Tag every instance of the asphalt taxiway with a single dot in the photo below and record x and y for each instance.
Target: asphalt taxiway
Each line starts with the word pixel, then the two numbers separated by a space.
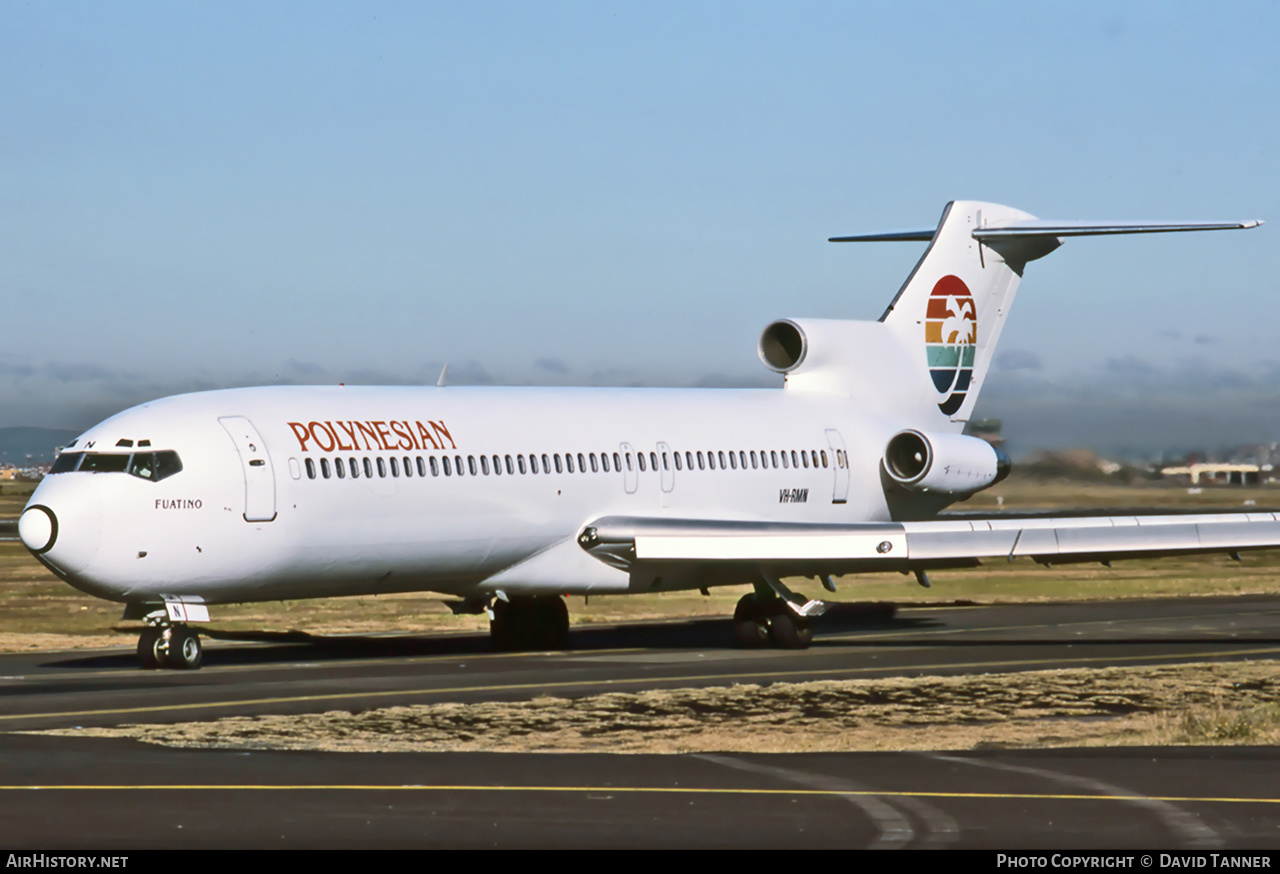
pixel 100 793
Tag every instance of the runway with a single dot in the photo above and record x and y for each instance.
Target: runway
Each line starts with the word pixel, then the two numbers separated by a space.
pixel 123 794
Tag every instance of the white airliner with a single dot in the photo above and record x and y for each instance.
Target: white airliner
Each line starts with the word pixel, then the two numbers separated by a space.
pixel 508 498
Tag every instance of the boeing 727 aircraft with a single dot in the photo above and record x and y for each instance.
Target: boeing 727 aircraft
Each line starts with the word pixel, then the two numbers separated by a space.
pixel 506 499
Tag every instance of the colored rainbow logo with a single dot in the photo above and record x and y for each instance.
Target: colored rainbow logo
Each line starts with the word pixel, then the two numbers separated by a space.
pixel 950 332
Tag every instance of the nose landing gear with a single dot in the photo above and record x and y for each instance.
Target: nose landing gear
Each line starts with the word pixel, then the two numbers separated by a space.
pixel 166 642
pixel 172 646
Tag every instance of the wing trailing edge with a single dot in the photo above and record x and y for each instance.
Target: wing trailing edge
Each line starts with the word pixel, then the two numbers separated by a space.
pixel 794 548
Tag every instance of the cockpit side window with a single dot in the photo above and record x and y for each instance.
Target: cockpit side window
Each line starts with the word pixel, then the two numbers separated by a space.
pixel 167 464
pixel 67 461
pixel 143 465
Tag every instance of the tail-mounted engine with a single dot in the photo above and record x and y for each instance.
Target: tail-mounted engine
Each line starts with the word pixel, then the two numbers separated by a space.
pixel 949 463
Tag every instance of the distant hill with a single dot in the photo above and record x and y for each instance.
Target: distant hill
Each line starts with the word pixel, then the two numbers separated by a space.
pixel 41 444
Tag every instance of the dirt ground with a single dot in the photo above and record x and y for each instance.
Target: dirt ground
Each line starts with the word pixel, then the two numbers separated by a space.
pixel 1235 703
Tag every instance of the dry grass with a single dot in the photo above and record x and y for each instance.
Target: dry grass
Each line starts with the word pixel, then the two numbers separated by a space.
pixel 1235 703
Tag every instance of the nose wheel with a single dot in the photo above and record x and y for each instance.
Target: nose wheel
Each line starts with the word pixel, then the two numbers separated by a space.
pixel 175 647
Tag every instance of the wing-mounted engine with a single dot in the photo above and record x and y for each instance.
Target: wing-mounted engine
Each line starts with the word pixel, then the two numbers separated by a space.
pixel 951 464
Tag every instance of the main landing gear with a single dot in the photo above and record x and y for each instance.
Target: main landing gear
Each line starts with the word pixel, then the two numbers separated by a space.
pixel 760 620
pixel 524 622
pixel 170 646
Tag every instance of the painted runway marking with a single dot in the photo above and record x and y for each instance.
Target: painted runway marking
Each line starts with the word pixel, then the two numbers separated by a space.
pixel 632 790
pixel 799 672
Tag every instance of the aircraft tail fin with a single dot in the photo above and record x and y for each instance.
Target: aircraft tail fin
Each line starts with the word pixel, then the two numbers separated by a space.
pixel 953 306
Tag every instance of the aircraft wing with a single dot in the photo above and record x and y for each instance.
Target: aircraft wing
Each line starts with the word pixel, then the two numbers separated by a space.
pixel 637 544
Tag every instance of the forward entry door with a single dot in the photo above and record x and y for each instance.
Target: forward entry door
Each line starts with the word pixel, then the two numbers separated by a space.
pixel 259 478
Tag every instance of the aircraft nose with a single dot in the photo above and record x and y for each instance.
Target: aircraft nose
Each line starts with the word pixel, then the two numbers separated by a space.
pixel 63 529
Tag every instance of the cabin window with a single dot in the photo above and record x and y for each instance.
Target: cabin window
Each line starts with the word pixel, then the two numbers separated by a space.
pixel 653 460
pixel 497 466
pixel 568 462
pixel 617 462
pixel 604 461
pixel 786 465
pixel 823 453
pixel 753 460
pixel 733 461
pixel 408 466
pixel 310 466
pixel 666 462
pixel 639 460
pixel 711 460
pixel 435 469
pixel 595 466
pixel 395 466
pixel 559 468
pixel 448 468
pixel 484 465
pixel 701 464
pixel 510 469
pixel 520 462
pixel 630 466
pixel 582 463
pixel 338 467
pixel 533 463
pixel 688 459
pixel 677 455
pixel 804 456
pixel 546 463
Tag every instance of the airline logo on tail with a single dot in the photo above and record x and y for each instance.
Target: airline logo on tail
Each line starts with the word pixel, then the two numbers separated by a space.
pixel 950 335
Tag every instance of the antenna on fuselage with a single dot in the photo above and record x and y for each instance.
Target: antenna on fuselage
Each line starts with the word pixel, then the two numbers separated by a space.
pixel 444 372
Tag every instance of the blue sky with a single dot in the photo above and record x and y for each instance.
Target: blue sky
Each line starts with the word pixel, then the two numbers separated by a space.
pixel 212 194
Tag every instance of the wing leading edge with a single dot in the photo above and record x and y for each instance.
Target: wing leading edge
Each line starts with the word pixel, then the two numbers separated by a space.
pixel 631 543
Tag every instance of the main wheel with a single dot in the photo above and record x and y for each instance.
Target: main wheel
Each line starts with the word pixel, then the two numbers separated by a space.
pixel 552 622
pixel 150 652
pixel 185 651
pixel 749 628
pixel 790 631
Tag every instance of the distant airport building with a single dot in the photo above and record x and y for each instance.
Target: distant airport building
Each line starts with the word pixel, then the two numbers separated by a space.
pixel 1216 473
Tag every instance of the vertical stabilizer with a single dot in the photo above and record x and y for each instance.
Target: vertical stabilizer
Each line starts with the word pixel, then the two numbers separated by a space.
pixel 953 305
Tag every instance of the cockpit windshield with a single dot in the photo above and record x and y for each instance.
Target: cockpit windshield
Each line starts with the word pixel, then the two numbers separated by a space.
pixel 153 466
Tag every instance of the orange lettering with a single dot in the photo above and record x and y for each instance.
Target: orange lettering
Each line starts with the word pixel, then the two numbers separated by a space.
pixel 323 430
pixel 346 426
pixel 406 441
pixel 367 432
pixel 439 428
pixel 300 431
pixel 337 439
pixel 381 428
pixel 426 437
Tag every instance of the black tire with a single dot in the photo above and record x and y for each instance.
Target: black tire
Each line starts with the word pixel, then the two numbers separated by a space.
pixel 185 651
pixel 750 633
pixel 552 622
pixel 749 607
pixel 789 631
pixel 150 656
pixel 507 628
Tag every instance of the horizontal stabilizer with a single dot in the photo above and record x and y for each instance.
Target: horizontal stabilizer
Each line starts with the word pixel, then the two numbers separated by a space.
pixel 1029 228
pixel 923 235
pixel 1050 228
